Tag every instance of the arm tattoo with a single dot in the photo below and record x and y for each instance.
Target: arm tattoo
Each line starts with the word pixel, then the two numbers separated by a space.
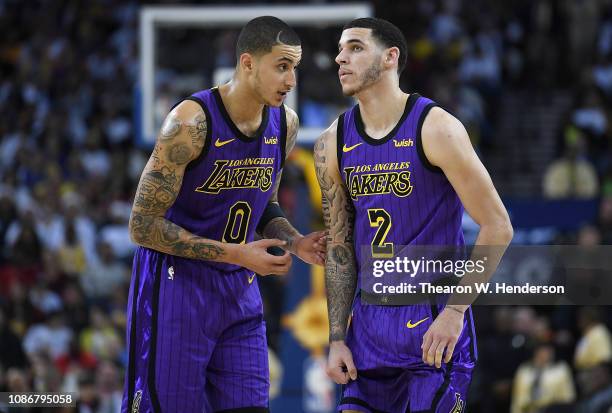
pixel 162 235
pixel 340 283
pixel 159 186
pixel 340 269
pixel 280 227
pixel 334 194
pixel 179 154
pixel 156 190
pixel 198 131
pixel 171 127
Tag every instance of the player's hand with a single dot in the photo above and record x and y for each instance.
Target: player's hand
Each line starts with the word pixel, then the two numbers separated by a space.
pixel 255 257
pixel 340 366
pixel 442 335
pixel 311 248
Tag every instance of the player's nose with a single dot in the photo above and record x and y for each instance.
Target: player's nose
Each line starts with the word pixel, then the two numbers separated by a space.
pixel 291 79
pixel 341 58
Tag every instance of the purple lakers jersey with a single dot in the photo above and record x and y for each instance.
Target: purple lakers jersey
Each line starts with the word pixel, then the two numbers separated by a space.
pixel 226 190
pixel 399 197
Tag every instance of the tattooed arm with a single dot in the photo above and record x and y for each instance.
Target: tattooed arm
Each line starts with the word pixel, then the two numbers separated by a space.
pixel 338 214
pixel 180 141
pixel 310 248
pixel 340 270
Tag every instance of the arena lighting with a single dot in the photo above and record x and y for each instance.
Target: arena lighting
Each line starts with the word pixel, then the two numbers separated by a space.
pixel 153 17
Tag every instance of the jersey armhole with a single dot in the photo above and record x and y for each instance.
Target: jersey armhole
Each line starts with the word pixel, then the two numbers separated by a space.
pixel 283 135
pixel 419 140
pixel 340 141
pixel 209 127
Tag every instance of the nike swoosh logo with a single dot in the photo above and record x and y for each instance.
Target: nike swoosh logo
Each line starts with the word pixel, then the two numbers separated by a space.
pixel 251 278
pixel 350 148
pixel 410 325
pixel 219 143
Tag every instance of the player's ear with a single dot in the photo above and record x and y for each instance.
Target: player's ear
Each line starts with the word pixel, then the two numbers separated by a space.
pixel 246 62
pixel 391 57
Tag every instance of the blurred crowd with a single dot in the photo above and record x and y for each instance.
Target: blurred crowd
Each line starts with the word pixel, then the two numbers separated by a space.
pixel 69 165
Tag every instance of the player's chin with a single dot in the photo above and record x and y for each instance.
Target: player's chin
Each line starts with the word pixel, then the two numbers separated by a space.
pixel 277 99
pixel 348 90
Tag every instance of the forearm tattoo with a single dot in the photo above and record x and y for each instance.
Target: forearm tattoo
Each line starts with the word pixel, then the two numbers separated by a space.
pixel 340 269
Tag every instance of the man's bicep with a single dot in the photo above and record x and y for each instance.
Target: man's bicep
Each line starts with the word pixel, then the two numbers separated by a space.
pixel 180 140
pixel 448 146
pixel 475 188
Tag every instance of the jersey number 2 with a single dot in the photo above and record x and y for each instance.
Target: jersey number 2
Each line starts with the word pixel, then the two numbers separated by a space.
pixel 237 223
pixel 379 218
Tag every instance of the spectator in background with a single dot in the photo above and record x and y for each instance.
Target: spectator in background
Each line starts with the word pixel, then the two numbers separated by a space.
pixel 571 176
pixel 11 353
pixel 88 396
pixel 75 210
pixel 497 372
pixel 45 300
pixel 94 159
pixel 582 26
pixel 71 254
pixel 25 247
pixel 8 213
pixel 104 274
pixel 116 232
pixel 595 345
pixel 76 306
pixel 596 388
pixel 73 365
pixel 480 67
pixel 52 337
pixel 100 338
pixel 51 277
pixel 109 385
pixel 45 375
pixel 541 382
pixel 590 115
pixel 19 309
pixel 17 380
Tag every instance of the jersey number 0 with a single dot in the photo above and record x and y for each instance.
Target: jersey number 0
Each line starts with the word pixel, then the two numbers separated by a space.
pixel 237 223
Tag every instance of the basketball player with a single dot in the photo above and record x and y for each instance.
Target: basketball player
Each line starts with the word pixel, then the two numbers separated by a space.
pixel 196 333
pixel 391 358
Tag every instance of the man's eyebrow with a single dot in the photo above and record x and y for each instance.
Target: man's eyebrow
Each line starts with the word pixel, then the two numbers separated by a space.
pixel 351 41
pixel 286 59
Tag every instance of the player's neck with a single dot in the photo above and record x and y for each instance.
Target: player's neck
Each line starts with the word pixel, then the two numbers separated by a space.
pixel 241 104
pixel 381 108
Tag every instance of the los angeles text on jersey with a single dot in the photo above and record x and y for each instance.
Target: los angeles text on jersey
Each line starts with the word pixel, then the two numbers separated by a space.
pixel 377 179
pixel 239 173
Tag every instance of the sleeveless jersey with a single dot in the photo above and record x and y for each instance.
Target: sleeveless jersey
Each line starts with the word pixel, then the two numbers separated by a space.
pixel 399 197
pixel 226 190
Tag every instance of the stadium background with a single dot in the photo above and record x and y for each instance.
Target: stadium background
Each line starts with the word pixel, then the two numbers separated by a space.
pixel 531 80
